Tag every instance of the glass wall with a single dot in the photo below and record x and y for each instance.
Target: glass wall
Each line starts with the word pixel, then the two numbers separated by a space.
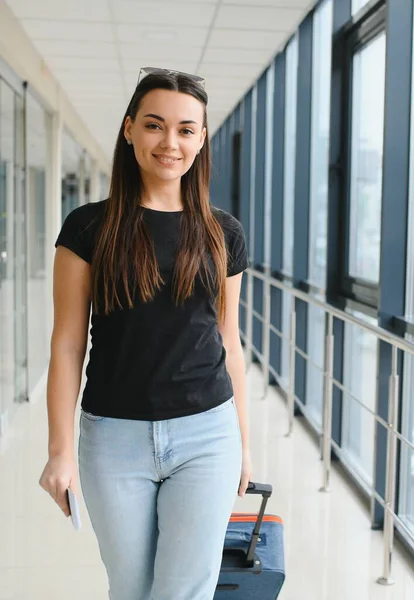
pixel 360 378
pixel 321 97
pixel 38 131
pixel 289 191
pixel 356 224
pixel 7 159
pixel 290 154
pixel 86 175
pixel 25 181
pixel 406 505
pixel 13 301
pixel 368 95
pixel 357 5
pixel 73 179
pixel 103 186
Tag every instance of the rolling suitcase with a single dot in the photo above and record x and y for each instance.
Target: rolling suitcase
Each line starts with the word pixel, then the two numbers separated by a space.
pixel 253 566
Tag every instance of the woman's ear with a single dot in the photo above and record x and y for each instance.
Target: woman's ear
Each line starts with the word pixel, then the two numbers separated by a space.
pixel 203 137
pixel 127 128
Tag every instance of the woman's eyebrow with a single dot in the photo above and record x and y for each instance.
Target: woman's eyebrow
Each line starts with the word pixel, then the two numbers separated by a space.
pixel 186 122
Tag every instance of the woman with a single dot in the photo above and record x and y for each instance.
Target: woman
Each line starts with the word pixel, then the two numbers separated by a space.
pixel 164 444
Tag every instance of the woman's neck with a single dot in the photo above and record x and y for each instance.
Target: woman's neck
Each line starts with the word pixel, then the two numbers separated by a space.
pixel 164 196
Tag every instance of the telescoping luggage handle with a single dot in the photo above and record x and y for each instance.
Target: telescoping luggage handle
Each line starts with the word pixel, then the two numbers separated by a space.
pixel 265 491
pixel 249 559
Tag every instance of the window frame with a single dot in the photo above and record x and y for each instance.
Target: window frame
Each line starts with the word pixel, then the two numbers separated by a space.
pixel 354 37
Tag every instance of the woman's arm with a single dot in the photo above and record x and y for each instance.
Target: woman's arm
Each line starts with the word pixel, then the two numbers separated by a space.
pixel 72 300
pixel 236 368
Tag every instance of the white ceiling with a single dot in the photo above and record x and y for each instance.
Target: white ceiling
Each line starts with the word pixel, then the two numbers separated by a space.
pixel 95 48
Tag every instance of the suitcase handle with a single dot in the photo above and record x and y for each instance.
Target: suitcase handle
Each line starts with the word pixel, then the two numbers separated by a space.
pixel 259 488
pixel 265 491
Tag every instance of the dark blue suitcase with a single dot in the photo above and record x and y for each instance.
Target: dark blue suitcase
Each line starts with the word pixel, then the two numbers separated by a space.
pixel 253 565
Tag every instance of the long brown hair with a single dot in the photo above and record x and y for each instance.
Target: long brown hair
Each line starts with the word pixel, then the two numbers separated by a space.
pixel 124 253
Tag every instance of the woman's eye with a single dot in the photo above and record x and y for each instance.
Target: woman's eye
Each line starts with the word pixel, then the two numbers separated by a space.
pixel 187 131
pixel 152 126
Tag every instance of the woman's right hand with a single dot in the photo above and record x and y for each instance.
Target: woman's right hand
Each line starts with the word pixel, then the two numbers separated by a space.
pixel 59 474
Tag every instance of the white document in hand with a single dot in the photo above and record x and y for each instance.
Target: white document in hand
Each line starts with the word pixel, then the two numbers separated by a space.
pixel 74 510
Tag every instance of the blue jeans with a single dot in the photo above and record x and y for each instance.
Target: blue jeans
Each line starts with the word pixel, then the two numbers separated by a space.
pixel 159 495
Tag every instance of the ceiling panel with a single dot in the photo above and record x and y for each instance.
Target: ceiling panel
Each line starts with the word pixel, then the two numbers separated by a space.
pixel 92 77
pixel 238 56
pixel 131 56
pixel 302 4
pixel 68 30
pixel 164 13
pixel 139 34
pixel 228 69
pixel 61 10
pixel 116 3
pixel 249 17
pixel 242 38
pixel 82 63
pixel 86 49
pixel 225 83
pixel 161 58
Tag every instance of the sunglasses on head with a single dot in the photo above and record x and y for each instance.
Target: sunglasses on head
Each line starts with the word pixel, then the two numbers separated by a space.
pixel 144 71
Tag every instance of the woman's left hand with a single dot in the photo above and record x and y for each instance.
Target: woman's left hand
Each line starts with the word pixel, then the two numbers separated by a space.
pixel 246 473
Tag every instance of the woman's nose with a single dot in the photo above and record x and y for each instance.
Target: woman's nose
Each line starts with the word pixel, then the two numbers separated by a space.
pixel 169 140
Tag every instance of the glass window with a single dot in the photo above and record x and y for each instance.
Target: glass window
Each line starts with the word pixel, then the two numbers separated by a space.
pixel 86 173
pixel 321 100
pixel 315 366
pixel 13 297
pixel 103 185
pixel 357 5
pixel 290 153
pixel 38 131
pixel 286 314
pixel 406 507
pixel 368 91
pixel 360 381
pixel 72 168
pixel 289 191
pixel 406 504
pixel 7 241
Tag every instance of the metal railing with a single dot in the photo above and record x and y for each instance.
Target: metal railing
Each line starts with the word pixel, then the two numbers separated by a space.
pixel 391 425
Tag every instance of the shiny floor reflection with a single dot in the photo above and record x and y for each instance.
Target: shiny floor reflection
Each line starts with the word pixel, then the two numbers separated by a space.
pixel 331 552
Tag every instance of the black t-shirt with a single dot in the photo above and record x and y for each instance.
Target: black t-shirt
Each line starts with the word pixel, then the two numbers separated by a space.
pixel 156 361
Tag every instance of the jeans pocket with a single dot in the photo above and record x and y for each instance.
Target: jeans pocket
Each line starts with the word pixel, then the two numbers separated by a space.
pixel 91 417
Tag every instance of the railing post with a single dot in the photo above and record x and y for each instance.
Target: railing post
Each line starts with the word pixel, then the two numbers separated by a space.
pixel 391 470
pixel 292 365
pixel 266 330
pixel 327 404
pixel 249 319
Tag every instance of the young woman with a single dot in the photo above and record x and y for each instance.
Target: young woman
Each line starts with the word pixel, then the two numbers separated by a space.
pixel 164 443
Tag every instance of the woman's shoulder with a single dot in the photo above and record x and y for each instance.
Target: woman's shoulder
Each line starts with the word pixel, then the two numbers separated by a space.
pixel 87 214
pixel 86 219
pixel 228 221
pixel 80 228
pixel 235 240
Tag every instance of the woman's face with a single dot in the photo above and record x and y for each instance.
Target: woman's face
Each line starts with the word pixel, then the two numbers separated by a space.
pixel 167 133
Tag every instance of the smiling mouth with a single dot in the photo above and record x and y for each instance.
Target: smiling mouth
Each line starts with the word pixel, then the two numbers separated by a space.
pixel 166 159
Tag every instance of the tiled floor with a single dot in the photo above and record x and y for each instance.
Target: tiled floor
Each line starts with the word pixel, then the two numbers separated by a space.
pixel 331 552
